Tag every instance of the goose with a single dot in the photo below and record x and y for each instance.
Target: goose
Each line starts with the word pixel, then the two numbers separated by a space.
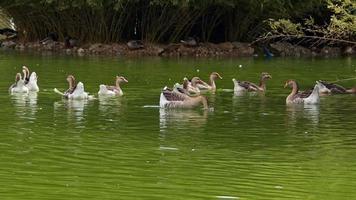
pixel 296 97
pixel 203 86
pixel 240 86
pixel 182 88
pixel 135 44
pixel 74 91
pixel 113 90
pixel 192 86
pixel 19 85
pixel 30 80
pixel 189 42
pixel 332 88
pixel 172 99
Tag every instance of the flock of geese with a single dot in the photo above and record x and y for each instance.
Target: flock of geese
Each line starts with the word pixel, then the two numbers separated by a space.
pixel 189 94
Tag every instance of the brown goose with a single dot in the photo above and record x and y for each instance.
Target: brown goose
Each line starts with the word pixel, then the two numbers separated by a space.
pixel 113 90
pixel 296 97
pixel 192 86
pixel 173 99
pixel 240 86
pixel 203 86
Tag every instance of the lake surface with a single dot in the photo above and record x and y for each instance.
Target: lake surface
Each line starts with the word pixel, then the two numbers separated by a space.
pixel 244 147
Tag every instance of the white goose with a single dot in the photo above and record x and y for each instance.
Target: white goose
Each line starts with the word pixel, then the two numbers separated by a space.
pixel 19 85
pixel 173 99
pixel 30 80
pixel 112 90
pixel 74 91
pixel 307 97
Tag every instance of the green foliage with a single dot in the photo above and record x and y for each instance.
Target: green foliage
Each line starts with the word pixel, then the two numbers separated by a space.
pixel 157 20
pixel 341 23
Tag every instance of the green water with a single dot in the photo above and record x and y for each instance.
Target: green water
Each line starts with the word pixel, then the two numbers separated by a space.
pixel 244 147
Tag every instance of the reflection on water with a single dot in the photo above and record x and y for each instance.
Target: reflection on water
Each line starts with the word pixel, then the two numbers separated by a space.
pixel 25 104
pixel 109 104
pixel 297 112
pixel 181 118
pixel 75 108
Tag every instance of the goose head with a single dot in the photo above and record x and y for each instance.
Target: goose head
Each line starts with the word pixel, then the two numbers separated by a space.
pixel 215 75
pixel 185 82
pixel 265 76
pixel 121 79
pixel 27 71
pixel 195 80
pixel 289 83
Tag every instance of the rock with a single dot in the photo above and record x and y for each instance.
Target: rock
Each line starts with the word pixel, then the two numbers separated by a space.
pixel 287 49
pixel 330 51
pixel 243 49
pixel 348 50
pixel 81 51
pixel 8 44
pixel 226 46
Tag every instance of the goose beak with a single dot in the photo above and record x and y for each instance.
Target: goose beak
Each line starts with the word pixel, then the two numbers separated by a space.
pixel 285 85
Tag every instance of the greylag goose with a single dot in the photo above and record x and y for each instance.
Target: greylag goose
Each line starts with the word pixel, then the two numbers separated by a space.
pixel 30 80
pixel 19 85
pixel 203 86
pixel 189 42
pixel 296 97
pixel 332 88
pixel 240 86
pixel 74 91
pixel 113 90
pixel 173 99
pixel 192 86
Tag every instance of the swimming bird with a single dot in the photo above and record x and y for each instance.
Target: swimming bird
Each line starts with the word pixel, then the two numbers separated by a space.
pixel 203 86
pixel 30 80
pixel 240 86
pixel 19 85
pixel 172 99
pixel 74 91
pixel 332 88
pixel 296 97
pixel 113 90
pixel 192 85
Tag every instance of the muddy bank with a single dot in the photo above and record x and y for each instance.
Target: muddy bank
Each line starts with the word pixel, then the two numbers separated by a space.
pixel 226 49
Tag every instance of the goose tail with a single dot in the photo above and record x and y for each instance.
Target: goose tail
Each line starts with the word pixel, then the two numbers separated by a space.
pixel 58 92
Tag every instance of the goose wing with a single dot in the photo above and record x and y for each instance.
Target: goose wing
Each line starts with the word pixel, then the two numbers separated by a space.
pixel 334 88
pixel 174 96
pixel 248 85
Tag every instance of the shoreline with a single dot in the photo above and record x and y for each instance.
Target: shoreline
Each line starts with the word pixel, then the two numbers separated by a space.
pixel 202 50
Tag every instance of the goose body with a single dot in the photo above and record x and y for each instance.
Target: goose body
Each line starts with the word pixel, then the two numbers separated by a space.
pixel 296 97
pixel 203 86
pixel 30 80
pixel 246 86
pixel 78 93
pixel 19 85
pixel 113 90
pixel 173 99
pixel 332 88
pixel 75 91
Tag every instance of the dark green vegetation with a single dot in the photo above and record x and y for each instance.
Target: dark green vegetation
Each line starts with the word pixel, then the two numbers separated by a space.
pixel 166 21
